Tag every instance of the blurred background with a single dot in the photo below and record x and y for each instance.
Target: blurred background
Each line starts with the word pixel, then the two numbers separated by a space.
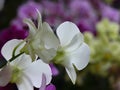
pixel 98 20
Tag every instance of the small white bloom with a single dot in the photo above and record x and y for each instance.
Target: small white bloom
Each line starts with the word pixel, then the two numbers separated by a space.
pixel 22 70
pixel 41 40
pixel 72 50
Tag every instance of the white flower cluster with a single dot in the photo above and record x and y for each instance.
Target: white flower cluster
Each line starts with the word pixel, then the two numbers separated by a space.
pixel 28 60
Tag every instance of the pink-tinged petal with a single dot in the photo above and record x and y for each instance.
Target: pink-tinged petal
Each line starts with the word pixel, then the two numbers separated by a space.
pixel 24 84
pixel 43 85
pixel 5 75
pixel 35 72
pixel 7 49
pixel 66 31
pixel 50 87
pixel 54 70
pixel 80 57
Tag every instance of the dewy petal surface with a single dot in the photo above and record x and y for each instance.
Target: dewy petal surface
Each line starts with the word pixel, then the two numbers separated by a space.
pixel 7 49
pixel 66 31
pixel 35 71
pixel 5 75
pixel 80 57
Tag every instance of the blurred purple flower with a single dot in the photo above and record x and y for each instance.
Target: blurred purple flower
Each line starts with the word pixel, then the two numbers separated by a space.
pixel 109 12
pixel 86 25
pixel 52 8
pixel 17 22
pixel 82 9
pixel 54 70
pixel 28 10
pixel 50 87
pixel 53 12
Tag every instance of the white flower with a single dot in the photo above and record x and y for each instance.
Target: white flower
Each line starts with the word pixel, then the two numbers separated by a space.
pixel 72 50
pixel 22 70
pixel 41 40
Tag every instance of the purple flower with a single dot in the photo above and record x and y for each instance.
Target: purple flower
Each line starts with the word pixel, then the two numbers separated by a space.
pixel 52 8
pixel 109 12
pixel 82 9
pixel 50 87
pixel 86 25
pixel 17 22
pixel 54 70
pixel 53 12
pixel 28 10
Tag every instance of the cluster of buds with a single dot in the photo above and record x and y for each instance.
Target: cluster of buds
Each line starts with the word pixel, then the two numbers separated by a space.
pixel 105 48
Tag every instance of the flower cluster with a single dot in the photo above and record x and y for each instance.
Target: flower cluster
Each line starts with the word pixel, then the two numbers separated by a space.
pixel 105 48
pixel 27 60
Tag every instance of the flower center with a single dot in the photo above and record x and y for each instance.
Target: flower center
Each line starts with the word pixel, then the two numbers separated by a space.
pixel 15 75
pixel 58 59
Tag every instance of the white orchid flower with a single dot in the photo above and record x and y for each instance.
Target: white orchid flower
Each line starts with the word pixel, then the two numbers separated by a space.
pixel 22 70
pixel 72 50
pixel 41 40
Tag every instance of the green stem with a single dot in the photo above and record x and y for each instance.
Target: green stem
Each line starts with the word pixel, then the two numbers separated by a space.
pixel 13 58
pixel 4 62
pixel 13 54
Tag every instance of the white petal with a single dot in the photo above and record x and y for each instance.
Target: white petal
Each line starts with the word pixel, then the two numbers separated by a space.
pixel 66 31
pixel 35 72
pixel 5 75
pixel 80 57
pixel 22 61
pixel 32 27
pixel 49 38
pixel 24 84
pixel 75 43
pixel 39 19
pixel 7 49
pixel 71 72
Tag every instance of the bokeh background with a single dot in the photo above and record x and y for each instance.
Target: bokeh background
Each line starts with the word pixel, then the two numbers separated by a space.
pixel 98 20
